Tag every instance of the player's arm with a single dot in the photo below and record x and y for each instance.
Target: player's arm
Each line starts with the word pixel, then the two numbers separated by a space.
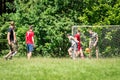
pixel 26 37
pixel 96 40
pixel 33 40
pixel 14 37
pixel 75 39
pixel 8 37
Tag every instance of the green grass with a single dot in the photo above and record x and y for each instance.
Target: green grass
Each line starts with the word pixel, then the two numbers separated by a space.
pixel 59 69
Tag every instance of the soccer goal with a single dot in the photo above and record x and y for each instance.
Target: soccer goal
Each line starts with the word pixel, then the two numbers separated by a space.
pixel 108 38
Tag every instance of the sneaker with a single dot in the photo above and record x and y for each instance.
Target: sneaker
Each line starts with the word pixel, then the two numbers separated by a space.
pixel 5 58
pixel 10 57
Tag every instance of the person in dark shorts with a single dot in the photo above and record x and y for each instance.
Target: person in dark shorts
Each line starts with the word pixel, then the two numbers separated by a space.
pixel 93 42
pixel 73 49
pixel 11 37
pixel 29 41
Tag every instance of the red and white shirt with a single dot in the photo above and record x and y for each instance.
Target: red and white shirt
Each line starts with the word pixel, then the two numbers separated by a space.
pixel 29 36
pixel 77 36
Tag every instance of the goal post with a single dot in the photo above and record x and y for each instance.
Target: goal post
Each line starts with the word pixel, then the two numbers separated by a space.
pixel 109 38
pixel 76 27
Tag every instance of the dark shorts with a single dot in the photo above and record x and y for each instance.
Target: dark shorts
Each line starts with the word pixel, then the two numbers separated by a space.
pixel 74 47
pixel 13 46
pixel 93 47
pixel 29 47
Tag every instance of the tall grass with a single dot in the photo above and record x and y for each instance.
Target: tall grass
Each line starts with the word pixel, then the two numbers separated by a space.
pixel 59 69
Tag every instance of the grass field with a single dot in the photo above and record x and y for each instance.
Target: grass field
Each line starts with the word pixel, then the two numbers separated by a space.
pixel 60 69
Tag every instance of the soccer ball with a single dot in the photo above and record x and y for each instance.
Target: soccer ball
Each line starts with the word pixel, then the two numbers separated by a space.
pixel 87 50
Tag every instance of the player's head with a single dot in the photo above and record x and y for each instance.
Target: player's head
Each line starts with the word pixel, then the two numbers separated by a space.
pixel 68 35
pixel 90 31
pixel 12 24
pixel 78 31
pixel 30 27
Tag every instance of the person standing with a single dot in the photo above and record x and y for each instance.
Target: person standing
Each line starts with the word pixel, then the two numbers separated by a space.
pixel 77 36
pixel 29 41
pixel 11 37
pixel 93 42
pixel 73 49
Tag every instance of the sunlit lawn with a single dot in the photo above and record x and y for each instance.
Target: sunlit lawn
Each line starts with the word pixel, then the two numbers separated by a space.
pixel 59 69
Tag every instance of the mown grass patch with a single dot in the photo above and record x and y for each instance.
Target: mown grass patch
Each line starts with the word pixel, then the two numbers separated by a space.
pixel 59 69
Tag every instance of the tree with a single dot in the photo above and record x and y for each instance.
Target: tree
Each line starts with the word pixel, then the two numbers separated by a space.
pixel 53 19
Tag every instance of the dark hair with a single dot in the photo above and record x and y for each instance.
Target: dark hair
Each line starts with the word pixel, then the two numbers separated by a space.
pixel 30 27
pixel 78 30
pixel 68 34
pixel 89 30
pixel 12 23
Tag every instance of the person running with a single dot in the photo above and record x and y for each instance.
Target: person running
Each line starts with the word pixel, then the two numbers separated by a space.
pixel 79 52
pixel 11 37
pixel 29 41
pixel 73 49
pixel 93 42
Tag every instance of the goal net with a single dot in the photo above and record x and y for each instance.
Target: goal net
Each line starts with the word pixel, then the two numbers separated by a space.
pixel 108 38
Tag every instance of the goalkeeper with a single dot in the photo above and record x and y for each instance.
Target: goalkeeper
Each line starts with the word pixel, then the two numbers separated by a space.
pixel 93 42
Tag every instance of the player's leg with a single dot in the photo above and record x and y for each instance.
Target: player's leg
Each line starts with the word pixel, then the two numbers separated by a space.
pixel 27 46
pixel 10 52
pixel 75 50
pixel 30 51
pixel 6 57
pixel 74 54
pixel 77 53
pixel 96 52
pixel 70 51
pixel 14 53
pixel 81 53
pixel 29 55
pixel 78 50
pixel 89 55
pixel 91 48
pixel 15 49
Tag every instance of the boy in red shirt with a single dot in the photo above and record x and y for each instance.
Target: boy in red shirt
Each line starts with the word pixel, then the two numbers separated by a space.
pixel 77 36
pixel 29 41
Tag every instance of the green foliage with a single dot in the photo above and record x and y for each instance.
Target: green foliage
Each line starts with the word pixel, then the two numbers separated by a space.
pixel 52 20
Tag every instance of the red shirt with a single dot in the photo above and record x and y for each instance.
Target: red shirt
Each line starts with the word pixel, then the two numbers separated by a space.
pixel 29 35
pixel 77 36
